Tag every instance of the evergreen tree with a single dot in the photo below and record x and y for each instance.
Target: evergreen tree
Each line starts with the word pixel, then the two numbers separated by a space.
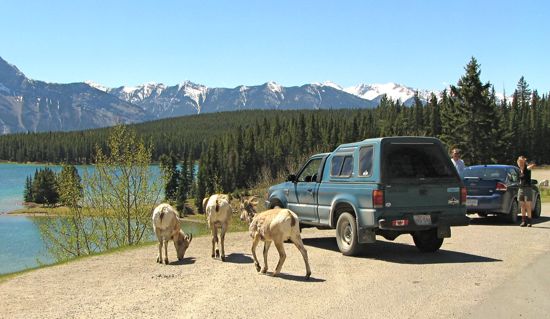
pixel 184 185
pixel 471 125
pixel 28 195
pixel 44 187
pixel 170 176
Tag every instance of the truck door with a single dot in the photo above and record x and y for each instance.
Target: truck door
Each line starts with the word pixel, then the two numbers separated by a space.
pixel 305 192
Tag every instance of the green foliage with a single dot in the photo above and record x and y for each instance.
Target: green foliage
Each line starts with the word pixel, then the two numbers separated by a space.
pixel 111 207
pixel 120 188
pixel 70 186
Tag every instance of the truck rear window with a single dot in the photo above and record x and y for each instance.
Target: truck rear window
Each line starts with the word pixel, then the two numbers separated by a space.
pixel 416 161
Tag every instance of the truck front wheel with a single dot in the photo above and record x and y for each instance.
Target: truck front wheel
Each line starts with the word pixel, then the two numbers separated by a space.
pixel 346 234
pixel 427 241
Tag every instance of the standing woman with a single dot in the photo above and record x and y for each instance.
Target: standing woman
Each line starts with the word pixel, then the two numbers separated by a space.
pixel 525 192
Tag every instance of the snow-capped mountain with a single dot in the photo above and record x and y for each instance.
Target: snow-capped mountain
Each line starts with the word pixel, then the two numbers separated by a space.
pixel 374 92
pixel 34 106
pixel 30 105
pixel 162 101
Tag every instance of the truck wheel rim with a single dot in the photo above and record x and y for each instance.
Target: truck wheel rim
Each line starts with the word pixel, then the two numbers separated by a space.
pixel 347 234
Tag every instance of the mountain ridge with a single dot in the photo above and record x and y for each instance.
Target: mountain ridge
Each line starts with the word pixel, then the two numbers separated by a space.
pixel 28 105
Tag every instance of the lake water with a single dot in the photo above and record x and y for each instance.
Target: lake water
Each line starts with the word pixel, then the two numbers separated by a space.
pixel 21 246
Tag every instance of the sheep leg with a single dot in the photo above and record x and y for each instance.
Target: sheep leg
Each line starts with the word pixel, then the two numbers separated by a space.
pixel 166 252
pixel 300 245
pixel 282 256
pixel 222 240
pixel 254 245
pixel 266 249
pixel 159 256
pixel 214 232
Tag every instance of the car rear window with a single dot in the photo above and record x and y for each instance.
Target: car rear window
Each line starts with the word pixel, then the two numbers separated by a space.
pixel 485 173
pixel 406 161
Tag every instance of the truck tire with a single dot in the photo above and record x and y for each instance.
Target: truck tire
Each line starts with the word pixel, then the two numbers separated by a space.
pixel 512 217
pixel 346 234
pixel 427 241
pixel 536 210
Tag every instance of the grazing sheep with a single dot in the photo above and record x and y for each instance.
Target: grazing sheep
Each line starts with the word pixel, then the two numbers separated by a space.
pixel 167 227
pixel 274 225
pixel 218 214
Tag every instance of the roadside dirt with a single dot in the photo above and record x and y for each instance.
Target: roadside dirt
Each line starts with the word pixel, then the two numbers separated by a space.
pixel 390 280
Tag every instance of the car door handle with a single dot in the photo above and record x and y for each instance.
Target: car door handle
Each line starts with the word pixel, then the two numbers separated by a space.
pixel 310 190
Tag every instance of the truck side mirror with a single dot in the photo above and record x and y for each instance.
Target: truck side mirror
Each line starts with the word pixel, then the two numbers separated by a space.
pixel 291 178
pixel 534 182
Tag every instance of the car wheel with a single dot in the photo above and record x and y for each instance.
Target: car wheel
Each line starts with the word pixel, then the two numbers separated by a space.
pixel 346 234
pixel 512 217
pixel 427 241
pixel 536 211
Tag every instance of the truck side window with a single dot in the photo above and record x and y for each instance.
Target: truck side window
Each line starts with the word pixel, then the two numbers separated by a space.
pixel 347 167
pixel 341 166
pixel 365 160
pixel 336 165
pixel 309 173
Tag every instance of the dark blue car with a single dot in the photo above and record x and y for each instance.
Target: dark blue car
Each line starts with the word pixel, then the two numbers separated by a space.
pixel 493 189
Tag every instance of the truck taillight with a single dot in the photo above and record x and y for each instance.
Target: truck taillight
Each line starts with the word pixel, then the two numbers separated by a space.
pixel 463 195
pixel 501 187
pixel 378 198
pixel 400 222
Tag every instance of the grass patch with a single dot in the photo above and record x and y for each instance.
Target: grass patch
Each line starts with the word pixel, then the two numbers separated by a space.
pixel 41 211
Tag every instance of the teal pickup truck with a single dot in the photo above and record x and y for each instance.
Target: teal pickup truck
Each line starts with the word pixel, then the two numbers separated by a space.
pixel 383 186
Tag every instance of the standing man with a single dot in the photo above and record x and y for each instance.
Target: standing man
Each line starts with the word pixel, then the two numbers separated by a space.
pixel 458 163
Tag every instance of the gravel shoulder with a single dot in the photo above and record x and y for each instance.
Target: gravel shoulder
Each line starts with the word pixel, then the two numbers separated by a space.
pixel 479 272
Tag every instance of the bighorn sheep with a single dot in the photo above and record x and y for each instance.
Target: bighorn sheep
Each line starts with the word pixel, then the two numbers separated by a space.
pixel 277 225
pixel 167 227
pixel 218 214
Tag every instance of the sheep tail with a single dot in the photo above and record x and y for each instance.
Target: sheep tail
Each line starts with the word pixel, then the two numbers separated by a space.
pixel 292 220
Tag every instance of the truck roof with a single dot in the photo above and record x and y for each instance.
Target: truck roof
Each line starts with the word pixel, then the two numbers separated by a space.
pixel 402 139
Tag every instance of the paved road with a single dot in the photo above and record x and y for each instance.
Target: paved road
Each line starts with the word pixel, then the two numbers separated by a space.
pixel 488 269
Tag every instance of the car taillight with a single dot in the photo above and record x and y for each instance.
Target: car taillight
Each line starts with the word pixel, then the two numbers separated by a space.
pixel 501 187
pixel 463 195
pixel 378 198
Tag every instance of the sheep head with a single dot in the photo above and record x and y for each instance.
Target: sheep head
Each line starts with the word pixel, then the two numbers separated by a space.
pixel 248 208
pixel 181 243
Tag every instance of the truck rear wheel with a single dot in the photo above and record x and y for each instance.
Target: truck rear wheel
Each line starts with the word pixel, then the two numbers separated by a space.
pixel 427 241
pixel 346 234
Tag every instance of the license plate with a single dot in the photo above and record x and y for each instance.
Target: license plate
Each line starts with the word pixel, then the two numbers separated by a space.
pixel 422 219
pixel 471 202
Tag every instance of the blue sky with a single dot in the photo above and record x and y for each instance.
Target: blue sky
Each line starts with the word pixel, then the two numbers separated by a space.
pixel 422 44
